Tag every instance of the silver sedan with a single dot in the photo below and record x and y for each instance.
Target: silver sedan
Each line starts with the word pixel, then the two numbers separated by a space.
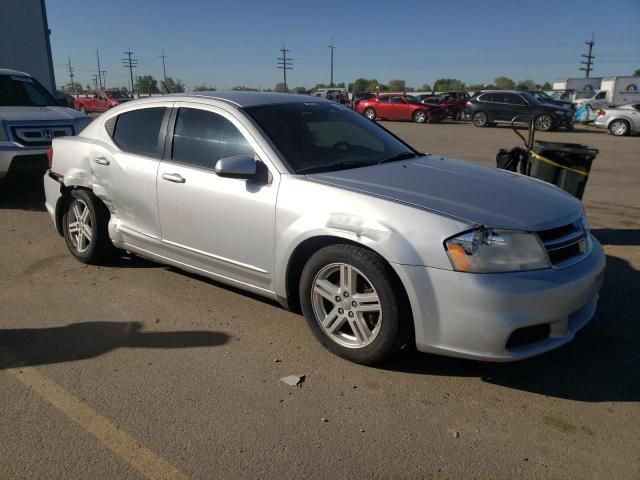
pixel 304 201
pixel 621 120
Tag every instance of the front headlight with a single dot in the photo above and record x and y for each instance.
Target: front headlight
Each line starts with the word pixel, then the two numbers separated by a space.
pixel 81 123
pixel 490 251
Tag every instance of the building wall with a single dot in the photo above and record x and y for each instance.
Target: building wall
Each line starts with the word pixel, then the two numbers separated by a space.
pixel 24 39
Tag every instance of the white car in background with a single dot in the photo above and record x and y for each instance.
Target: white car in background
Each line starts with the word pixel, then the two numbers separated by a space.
pixel 621 120
pixel 29 119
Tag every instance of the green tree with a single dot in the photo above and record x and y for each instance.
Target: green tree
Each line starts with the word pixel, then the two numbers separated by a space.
pixel 526 85
pixel 124 90
pixel 204 88
pixel 425 88
pixel 397 85
pixel 637 73
pixel 546 86
pixel 280 87
pixel 504 83
pixel 300 90
pixel 359 86
pixel 147 85
pixel 172 86
pixel 448 84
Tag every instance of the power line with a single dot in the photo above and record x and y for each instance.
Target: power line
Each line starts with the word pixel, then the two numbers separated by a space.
pixel 99 71
pixel 332 47
pixel 285 64
pixel 70 70
pixel 589 58
pixel 130 63
pixel 164 71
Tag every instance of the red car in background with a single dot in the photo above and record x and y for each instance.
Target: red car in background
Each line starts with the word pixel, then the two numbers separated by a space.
pixel 100 101
pixel 400 107
pixel 453 102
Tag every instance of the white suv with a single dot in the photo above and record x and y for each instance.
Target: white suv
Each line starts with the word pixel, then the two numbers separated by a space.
pixel 29 119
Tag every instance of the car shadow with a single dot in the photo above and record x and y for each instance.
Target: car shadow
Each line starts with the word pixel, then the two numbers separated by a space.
pixel 602 364
pixel 611 236
pixel 23 191
pixel 23 347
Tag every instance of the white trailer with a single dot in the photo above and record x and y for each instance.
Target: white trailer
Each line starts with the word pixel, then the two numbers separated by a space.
pixel 621 90
pixel 577 88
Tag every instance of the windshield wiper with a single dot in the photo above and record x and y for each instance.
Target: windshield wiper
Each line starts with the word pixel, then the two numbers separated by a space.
pixel 320 168
pixel 400 156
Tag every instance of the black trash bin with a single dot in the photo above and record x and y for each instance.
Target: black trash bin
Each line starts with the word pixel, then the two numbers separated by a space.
pixel 566 165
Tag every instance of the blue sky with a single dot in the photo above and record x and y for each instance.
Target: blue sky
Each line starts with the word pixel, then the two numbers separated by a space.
pixel 227 43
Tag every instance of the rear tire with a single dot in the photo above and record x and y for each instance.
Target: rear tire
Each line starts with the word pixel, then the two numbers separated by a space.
pixel 85 224
pixel 480 119
pixel 619 128
pixel 352 304
pixel 370 113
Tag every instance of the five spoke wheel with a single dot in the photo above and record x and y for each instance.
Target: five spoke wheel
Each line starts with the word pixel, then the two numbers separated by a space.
pixel 79 225
pixel 346 305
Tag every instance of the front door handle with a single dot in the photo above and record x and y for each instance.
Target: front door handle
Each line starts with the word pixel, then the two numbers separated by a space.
pixel 102 161
pixel 173 177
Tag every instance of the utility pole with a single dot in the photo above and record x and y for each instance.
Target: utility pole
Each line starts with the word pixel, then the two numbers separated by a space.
pixel 589 59
pixel 164 71
pixel 70 70
pixel 130 63
pixel 332 47
pixel 104 78
pixel 95 81
pixel 99 71
pixel 285 64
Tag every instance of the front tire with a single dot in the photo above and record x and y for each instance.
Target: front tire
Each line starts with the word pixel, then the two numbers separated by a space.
pixel 352 305
pixel 370 113
pixel 419 116
pixel 544 123
pixel 85 226
pixel 619 128
pixel 480 119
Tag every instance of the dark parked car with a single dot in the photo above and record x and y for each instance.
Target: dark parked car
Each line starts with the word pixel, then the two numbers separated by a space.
pixel 453 102
pixel 546 98
pixel 502 106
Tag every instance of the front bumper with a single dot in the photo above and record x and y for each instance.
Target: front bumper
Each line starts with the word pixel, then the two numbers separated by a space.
pixel 474 315
pixel 14 157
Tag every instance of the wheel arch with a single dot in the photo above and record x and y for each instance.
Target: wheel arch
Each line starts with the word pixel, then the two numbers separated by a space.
pixel 63 201
pixel 305 249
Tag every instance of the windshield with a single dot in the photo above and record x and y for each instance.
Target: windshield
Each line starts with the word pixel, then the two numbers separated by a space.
pixel 541 96
pixel 325 136
pixel 412 99
pixel 21 91
pixel 115 94
pixel 587 94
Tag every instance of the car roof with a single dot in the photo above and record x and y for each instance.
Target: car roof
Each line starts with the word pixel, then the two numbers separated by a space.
pixel 247 99
pixel 7 71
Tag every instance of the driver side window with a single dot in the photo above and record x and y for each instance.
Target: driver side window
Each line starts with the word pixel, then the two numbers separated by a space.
pixel 201 138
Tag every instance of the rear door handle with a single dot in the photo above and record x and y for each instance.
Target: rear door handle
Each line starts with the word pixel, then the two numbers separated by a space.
pixel 102 161
pixel 173 177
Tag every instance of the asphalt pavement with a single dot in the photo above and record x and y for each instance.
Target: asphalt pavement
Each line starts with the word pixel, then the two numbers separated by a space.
pixel 137 370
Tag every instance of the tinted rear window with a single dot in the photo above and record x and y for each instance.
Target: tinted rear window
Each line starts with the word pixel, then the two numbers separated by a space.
pixel 138 131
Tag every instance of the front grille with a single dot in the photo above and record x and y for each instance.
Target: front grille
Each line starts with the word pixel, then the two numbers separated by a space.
pixel 565 245
pixel 39 135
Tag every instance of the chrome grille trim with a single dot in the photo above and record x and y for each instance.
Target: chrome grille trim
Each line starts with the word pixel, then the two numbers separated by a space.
pixel 566 245
pixel 39 135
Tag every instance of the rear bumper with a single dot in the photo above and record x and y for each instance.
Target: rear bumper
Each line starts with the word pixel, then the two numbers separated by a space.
pixel 474 315
pixel 53 195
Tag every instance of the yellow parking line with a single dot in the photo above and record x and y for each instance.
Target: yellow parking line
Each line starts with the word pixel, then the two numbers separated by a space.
pixel 142 459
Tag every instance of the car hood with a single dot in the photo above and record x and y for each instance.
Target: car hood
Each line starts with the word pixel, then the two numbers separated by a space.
pixel 472 193
pixel 24 114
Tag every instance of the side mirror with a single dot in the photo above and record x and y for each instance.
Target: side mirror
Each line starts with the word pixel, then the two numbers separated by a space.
pixel 237 166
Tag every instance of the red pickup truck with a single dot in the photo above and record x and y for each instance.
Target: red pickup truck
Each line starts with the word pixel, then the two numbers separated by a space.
pixel 101 101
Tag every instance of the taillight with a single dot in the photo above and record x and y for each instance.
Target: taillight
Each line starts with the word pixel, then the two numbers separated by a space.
pixel 468 104
pixel 602 113
pixel 50 155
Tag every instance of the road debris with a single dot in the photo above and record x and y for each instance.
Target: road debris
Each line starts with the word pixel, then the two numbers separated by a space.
pixel 294 380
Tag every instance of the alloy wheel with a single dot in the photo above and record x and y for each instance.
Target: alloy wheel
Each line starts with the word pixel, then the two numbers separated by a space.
pixel 618 128
pixel 480 119
pixel 79 226
pixel 420 117
pixel 346 305
pixel 543 123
